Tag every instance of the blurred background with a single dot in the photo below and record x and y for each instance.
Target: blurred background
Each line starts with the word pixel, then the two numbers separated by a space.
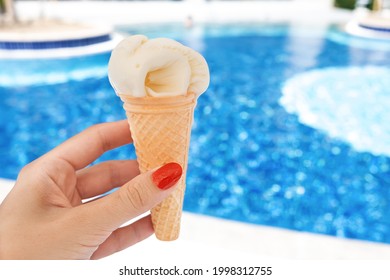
pixel 290 148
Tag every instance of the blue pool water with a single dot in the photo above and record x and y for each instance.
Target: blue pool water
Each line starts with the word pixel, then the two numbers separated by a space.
pixel 293 131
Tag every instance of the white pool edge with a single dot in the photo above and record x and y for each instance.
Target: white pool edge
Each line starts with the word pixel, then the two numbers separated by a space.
pixel 58 53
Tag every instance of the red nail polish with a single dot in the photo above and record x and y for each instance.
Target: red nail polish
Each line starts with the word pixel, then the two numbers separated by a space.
pixel 167 176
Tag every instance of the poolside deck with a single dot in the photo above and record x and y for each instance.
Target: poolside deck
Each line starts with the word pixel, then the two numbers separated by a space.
pixel 62 20
pixel 139 12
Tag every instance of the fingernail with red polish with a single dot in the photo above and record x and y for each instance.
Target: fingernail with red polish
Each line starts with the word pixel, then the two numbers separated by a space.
pixel 167 176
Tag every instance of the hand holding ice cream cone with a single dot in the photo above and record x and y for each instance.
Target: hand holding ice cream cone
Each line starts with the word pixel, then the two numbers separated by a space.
pixel 159 81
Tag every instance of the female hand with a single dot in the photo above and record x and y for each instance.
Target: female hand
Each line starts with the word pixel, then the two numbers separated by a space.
pixel 44 216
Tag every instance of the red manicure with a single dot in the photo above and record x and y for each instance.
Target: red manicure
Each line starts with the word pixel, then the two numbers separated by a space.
pixel 167 176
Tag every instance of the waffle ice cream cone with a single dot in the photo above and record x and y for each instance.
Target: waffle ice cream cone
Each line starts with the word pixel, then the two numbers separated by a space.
pixel 159 81
pixel 161 130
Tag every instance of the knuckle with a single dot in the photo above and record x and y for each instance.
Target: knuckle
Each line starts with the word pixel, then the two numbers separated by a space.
pixel 27 170
pixel 135 196
pixel 92 129
pixel 97 130
pixel 104 139
pixel 111 167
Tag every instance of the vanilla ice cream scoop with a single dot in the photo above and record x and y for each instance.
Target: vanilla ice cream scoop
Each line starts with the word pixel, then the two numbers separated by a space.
pixel 159 67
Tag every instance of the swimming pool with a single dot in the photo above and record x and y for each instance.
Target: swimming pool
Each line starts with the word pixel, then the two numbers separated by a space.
pixel 269 145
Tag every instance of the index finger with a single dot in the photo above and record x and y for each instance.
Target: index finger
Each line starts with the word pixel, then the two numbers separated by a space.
pixel 85 147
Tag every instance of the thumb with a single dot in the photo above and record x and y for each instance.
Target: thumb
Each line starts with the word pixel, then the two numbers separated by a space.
pixel 134 198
